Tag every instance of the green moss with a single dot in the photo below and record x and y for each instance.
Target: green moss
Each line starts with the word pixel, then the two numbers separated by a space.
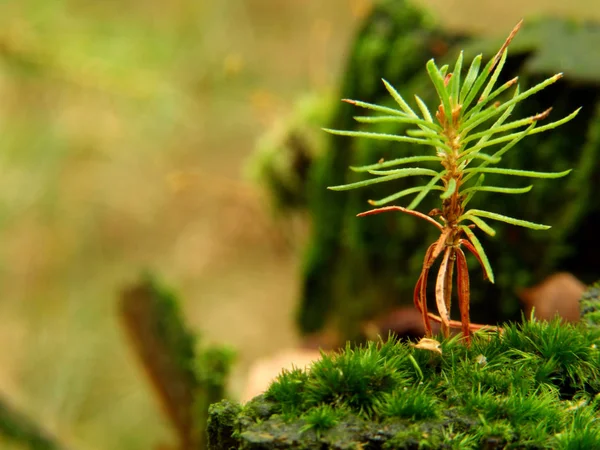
pixel 288 390
pixel 222 419
pixel 581 432
pixel 530 387
pixel 418 403
pixel 322 417
pixel 354 378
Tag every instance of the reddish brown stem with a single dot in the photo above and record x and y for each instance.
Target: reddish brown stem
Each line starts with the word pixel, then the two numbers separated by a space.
pixel 452 255
pixel 404 210
pixel 464 294
pixel 420 294
pixel 431 255
pixel 422 306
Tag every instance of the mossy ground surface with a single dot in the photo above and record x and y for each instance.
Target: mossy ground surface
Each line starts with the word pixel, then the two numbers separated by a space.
pixel 535 385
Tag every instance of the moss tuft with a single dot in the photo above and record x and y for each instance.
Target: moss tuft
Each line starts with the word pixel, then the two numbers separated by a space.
pixel 356 378
pixel 582 432
pixel 322 418
pixel 288 390
pixel 418 403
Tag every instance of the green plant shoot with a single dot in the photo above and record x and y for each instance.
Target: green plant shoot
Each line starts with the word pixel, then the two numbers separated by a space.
pixel 468 136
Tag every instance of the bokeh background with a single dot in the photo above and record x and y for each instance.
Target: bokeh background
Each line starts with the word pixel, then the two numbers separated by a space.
pixel 125 130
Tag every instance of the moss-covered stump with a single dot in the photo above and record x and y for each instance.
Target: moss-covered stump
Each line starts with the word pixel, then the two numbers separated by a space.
pixel 357 269
pixel 534 386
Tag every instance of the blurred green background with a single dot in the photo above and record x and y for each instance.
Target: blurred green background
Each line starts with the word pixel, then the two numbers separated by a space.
pixel 125 130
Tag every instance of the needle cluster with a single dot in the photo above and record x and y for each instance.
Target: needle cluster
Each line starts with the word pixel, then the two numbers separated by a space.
pixel 468 134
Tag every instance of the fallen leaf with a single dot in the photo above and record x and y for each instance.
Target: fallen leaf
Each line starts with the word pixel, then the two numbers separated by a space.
pixel 428 344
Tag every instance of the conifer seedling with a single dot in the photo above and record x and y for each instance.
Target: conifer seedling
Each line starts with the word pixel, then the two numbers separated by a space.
pixel 469 134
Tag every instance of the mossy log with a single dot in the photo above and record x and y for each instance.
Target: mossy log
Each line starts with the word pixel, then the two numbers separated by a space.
pixel 533 386
pixel 356 269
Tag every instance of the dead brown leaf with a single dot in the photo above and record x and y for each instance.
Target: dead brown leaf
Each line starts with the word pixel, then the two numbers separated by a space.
pixel 428 344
